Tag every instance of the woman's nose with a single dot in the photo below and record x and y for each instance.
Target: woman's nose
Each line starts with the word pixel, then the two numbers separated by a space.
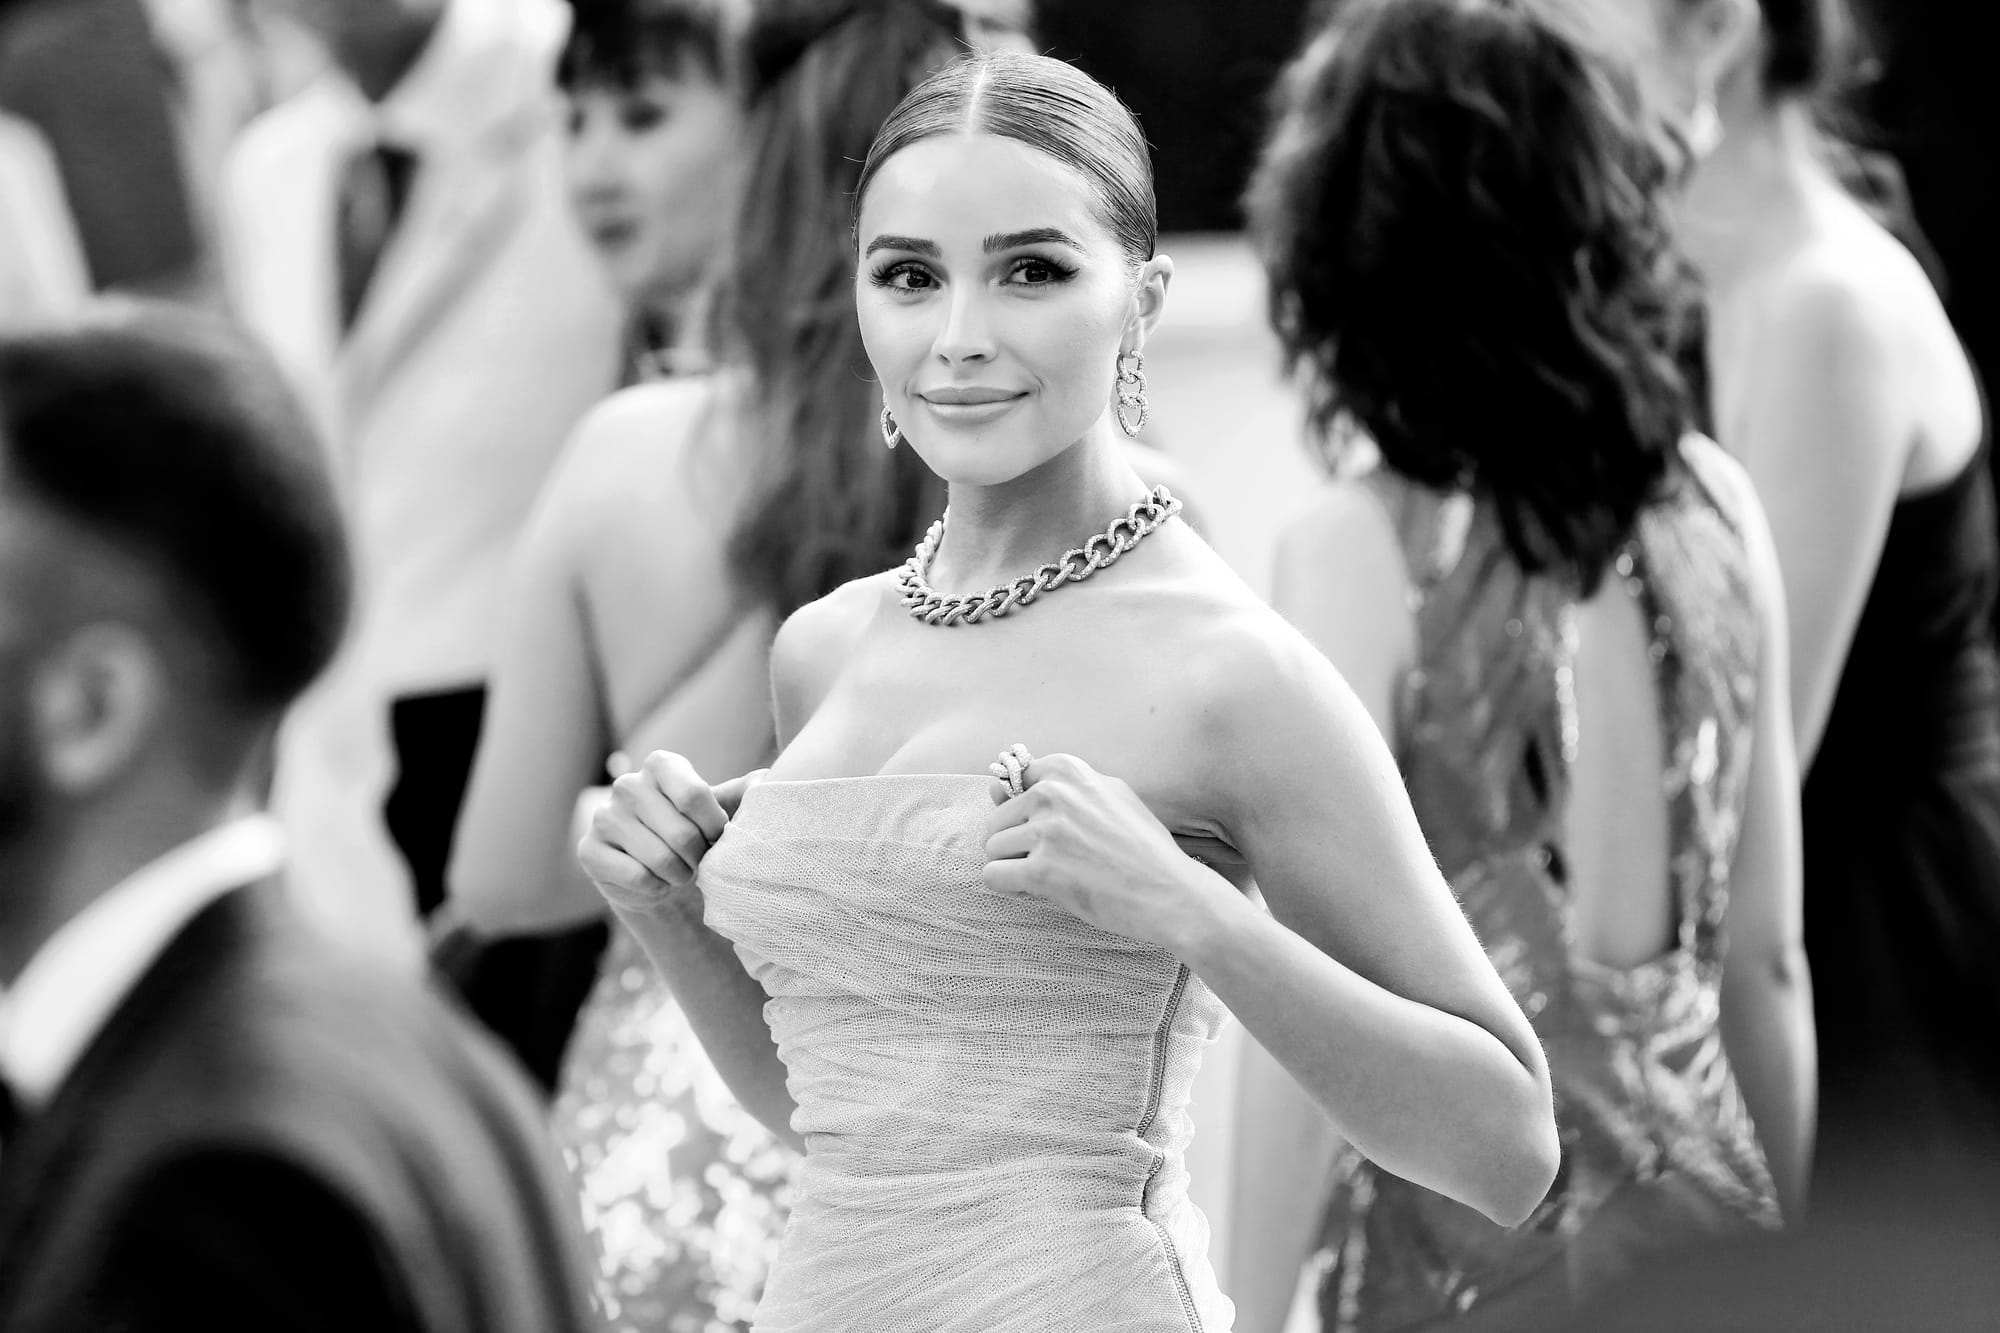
pixel 593 157
pixel 967 333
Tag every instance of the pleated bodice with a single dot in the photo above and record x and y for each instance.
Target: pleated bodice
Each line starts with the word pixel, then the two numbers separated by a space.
pixel 993 1094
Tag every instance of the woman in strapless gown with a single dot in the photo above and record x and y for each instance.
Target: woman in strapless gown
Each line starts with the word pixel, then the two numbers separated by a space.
pixel 977 1073
pixel 1838 380
pixel 630 625
pixel 976 1001
pixel 1902 811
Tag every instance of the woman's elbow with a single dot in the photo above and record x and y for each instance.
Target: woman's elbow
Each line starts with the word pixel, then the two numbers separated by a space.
pixel 1778 968
pixel 1504 1151
pixel 1521 1170
pixel 496 904
pixel 1520 1151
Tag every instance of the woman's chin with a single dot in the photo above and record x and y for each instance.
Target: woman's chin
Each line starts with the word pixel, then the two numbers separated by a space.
pixel 981 458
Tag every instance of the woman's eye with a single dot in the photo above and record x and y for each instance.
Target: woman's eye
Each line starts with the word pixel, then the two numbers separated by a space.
pixel 906 278
pixel 639 117
pixel 1031 272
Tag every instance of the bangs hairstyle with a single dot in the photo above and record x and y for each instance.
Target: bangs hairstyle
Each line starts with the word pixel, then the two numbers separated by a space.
pixel 1052 107
pixel 1463 210
pixel 621 43
pixel 835 504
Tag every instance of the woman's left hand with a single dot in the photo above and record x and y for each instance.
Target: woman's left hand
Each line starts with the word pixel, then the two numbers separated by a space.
pixel 1086 843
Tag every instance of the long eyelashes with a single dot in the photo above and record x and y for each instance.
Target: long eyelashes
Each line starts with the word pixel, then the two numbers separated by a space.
pixel 903 276
pixel 907 275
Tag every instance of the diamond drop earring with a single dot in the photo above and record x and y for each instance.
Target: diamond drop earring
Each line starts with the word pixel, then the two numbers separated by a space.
pixel 1131 391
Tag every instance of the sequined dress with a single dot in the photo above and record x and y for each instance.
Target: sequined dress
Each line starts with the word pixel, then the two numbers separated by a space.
pixel 1658 1147
pixel 993 1094
pixel 683 1193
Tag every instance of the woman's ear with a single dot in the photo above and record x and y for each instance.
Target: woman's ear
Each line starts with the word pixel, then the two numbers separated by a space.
pixel 1149 299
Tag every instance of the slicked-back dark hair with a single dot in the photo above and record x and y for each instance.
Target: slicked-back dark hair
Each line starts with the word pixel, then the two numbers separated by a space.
pixel 1464 211
pixel 168 436
pixel 1051 106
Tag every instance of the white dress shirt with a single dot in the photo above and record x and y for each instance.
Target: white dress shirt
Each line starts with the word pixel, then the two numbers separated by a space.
pixel 489 328
pixel 42 270
pixel 78 977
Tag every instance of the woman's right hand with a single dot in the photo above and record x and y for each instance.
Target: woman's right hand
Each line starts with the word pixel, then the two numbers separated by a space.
pixel 646 841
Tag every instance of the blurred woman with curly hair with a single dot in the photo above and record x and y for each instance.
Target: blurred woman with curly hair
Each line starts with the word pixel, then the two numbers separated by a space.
pixel 1562 607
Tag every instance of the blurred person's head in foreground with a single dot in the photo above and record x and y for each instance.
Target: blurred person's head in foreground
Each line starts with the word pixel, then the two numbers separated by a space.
pixel 1465 210
pixel 172 575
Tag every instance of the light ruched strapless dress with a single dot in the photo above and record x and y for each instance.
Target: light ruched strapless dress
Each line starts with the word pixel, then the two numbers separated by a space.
pixel 992 1094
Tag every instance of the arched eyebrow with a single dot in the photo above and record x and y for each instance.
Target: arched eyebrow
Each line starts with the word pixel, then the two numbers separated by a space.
pixel 915 245
pixel 1014 240
pixel 993 245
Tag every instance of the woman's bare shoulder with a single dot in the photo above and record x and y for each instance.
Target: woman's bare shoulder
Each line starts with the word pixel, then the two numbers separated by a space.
pixel 815 642
pixel 1349 525
pixel 832 622
pixel 635 431
pixel 1237 658
pixel 1845 278
pixel 650 458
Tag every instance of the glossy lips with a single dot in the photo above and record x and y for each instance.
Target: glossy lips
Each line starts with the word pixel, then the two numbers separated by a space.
pixel 969 405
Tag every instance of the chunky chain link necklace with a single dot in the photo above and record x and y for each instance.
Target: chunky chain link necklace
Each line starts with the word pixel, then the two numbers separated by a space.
pixel 1102 550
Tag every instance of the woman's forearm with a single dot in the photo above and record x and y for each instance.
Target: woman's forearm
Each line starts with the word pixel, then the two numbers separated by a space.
pixel 1767 1029
pixel 498 892
pixel 724 1006
pixel 1425 1094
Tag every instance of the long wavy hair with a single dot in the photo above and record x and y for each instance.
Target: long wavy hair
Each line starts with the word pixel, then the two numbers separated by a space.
pixel 1464 212
pixel 833 503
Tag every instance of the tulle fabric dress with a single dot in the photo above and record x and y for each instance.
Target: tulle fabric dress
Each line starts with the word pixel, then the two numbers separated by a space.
pixel 993 1094
pixel 1658 1148
pixel 683 1193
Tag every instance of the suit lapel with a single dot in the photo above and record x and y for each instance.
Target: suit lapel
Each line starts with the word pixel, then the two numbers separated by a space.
pixel 49 1151
pixel 459 216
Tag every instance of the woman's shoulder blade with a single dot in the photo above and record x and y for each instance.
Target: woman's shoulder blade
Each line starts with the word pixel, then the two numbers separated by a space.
pixel 637 451
pixel 1351 519
pixel 650 419
pixel 1846 281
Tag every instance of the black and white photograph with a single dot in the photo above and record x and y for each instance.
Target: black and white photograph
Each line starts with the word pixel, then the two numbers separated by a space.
pixel 999 666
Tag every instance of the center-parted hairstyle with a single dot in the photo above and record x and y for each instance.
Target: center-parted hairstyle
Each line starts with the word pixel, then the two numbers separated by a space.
pixel 1049 105
pixel 1464 211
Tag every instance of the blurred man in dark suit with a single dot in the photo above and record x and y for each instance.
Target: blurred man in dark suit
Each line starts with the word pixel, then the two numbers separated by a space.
pixel 88 76
pixel 212 1118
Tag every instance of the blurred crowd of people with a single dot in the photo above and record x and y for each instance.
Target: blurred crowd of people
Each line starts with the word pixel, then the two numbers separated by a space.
pixel 496 392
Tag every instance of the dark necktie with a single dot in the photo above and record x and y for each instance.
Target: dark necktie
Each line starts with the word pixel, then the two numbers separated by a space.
pixel 373 191
pixel 10 1116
